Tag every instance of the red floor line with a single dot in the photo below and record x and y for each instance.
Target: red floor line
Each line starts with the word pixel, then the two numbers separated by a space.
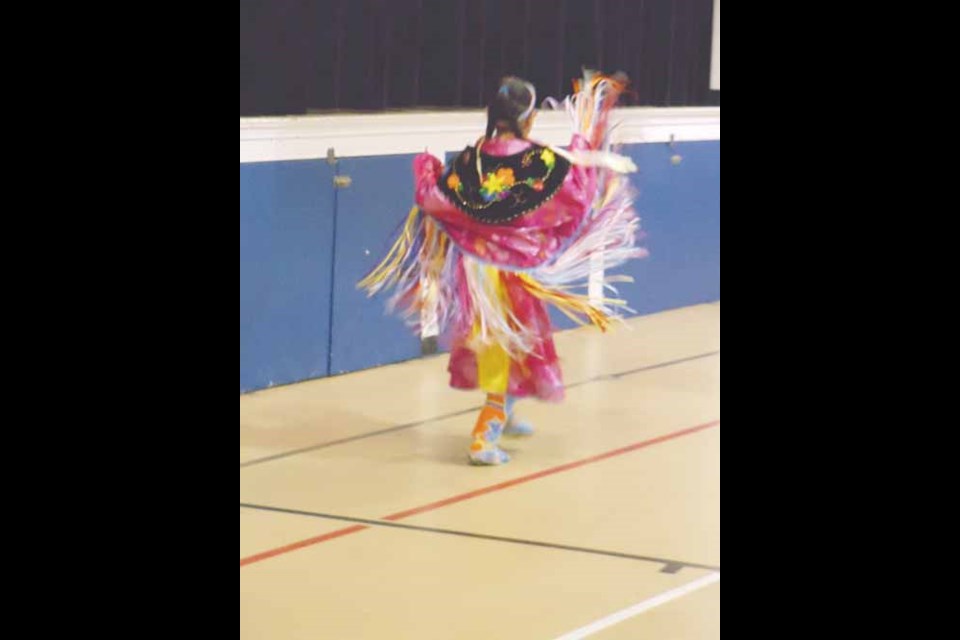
pixel 403 515
pixel 267 555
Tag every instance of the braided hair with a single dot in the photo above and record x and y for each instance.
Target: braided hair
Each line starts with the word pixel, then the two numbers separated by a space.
pixel 511 107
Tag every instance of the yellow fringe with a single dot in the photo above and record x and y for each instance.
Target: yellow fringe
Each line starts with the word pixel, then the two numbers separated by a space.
pixel 578 308
pixel 388 272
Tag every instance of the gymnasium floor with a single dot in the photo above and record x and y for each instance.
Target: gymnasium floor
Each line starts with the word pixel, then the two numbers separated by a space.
pixel 360 518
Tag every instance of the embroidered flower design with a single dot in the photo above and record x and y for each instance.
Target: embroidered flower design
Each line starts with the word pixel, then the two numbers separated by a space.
pixel 454 182
pixel 498 185
pixel 549 158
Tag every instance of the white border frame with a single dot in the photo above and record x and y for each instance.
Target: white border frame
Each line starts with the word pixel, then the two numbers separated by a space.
pixel 715 64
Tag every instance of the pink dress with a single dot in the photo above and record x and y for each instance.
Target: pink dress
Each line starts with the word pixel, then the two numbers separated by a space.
pixel 524 243
pixel 501 234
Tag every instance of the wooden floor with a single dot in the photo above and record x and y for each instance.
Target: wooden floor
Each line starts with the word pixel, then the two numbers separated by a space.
pixel 360 518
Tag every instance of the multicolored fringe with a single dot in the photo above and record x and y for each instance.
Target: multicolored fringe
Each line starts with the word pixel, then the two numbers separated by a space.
pixel 429 273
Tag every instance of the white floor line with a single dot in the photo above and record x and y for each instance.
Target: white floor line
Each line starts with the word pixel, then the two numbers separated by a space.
pixel 641 608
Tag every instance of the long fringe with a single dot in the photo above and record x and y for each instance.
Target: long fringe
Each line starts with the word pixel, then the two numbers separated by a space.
pixel 591 104
pixel 428 273
pixel 612 228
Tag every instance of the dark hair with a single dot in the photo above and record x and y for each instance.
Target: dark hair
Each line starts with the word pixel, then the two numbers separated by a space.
pixel 512 101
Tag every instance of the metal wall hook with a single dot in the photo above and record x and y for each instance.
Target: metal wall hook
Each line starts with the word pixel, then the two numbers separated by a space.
pixel 676 158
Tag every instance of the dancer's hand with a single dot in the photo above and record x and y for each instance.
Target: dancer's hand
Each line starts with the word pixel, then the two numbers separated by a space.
pixel 622 164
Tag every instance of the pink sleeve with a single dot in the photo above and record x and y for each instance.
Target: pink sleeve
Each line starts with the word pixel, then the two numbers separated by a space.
pixel 427 172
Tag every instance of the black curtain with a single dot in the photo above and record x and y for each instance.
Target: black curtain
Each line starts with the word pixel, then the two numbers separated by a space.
pixel 298 56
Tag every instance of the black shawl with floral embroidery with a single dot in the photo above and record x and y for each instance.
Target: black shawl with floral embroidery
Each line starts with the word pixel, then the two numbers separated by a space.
pixel 510 187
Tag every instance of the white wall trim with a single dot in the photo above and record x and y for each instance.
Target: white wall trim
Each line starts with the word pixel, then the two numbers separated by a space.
pixel 309 137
